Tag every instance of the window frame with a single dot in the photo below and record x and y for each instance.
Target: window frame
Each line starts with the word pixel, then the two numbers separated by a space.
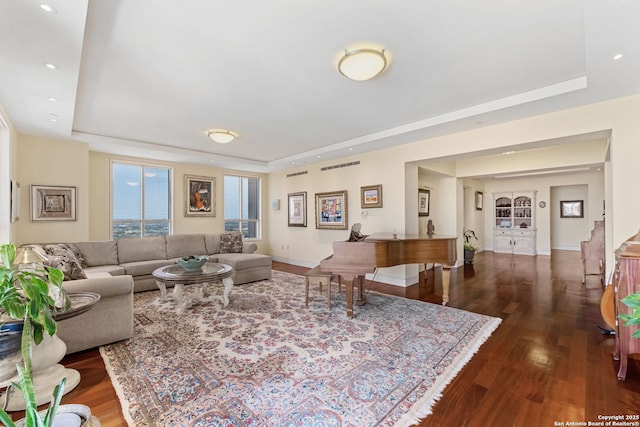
pixel 257 221
pixel 142 221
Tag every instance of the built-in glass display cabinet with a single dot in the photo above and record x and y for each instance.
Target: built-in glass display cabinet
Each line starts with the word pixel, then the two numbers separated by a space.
pixel 514 222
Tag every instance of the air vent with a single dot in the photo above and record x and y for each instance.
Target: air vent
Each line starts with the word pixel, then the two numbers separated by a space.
pixel 289 175
pixel 341 165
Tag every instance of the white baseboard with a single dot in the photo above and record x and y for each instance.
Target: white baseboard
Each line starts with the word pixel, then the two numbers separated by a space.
pixel 293 261
pixel 566 248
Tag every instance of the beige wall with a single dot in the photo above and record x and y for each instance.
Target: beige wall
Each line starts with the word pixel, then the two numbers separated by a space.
pixel 566 233
pixel 45 161
pixel 308 246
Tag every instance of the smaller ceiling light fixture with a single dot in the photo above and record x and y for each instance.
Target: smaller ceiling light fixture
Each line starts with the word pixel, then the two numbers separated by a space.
pixel 362 64
pixel 222 136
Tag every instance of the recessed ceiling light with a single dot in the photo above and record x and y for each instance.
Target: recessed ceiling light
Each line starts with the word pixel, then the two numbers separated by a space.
pixel 50 66
pixel 52 99
pixel 48 8
pixel 618 56
pixel 53 119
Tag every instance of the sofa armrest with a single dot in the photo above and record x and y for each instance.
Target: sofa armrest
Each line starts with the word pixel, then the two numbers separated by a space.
pixel 105 286
pixel 249 247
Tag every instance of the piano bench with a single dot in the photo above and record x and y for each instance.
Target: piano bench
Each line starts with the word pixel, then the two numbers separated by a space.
pixel 321 277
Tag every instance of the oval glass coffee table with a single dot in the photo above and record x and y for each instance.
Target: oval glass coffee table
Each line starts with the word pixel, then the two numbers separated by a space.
pixel 179 277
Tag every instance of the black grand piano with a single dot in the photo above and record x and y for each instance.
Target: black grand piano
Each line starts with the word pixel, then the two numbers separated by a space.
pixel 353 260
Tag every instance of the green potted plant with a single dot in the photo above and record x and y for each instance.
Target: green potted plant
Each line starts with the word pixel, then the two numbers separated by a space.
pixel 633 302
pixel 26 296
pixel 469 248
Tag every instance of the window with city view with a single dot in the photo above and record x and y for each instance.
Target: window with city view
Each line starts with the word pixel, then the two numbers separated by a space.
pixel 141 197
pixel 242 205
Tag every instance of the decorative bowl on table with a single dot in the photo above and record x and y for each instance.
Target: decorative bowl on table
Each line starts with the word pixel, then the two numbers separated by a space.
pixel 193 263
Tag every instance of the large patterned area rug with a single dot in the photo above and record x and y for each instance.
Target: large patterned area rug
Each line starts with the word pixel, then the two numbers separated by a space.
pixel 266 360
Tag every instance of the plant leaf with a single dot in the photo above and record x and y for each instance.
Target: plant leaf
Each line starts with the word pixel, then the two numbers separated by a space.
pixel 58 391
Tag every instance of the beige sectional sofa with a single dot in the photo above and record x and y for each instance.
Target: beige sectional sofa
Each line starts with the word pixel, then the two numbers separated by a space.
pixel 116 269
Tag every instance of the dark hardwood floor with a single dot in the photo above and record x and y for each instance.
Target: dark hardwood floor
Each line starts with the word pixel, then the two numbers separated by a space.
pixel 546 364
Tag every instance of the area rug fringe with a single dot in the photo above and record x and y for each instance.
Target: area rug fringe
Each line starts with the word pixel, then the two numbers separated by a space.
pixel 423 407
pixel 119 390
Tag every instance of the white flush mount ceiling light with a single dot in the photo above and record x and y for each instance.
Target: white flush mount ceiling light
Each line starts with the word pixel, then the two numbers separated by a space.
pixel 222 136
pixel 362 64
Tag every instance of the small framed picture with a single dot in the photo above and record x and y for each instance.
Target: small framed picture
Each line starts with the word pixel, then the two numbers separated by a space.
pixel 50 203
pixel 572 209
pixel 199 195
pixel 297 209
pixel 479 200
pixel 15 201
pixel 371 196
pixel 423 202
pixel 331 210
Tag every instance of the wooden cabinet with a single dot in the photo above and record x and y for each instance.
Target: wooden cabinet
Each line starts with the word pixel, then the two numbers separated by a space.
pixel 626 280
pixel 514 223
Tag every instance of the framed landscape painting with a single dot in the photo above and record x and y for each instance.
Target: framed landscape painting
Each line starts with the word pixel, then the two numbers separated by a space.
pixel 49 203
pixel 371 196
pixel 297 209
pixel 331 210
pixel 200 195
pixel 571 209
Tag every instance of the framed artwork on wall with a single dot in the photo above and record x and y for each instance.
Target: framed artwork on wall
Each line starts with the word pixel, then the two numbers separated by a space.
pixel 423 201
pixel 53 203
pixel 297 209
pixel 331 210
pixel 199 195
pixel 572 209
pixel 15 201
pixel 371 196
pixel 479 200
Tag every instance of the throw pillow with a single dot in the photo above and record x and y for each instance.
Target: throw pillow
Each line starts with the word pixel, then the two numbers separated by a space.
pixel 231 242
pixel 77 254
pixel 63 258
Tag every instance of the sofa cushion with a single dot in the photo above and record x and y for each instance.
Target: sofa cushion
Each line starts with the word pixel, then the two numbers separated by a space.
pixel 141 268
pixel 60 256
pixel 112 270
pixel 231 242
pixel 245 261
pixel 182 245
pixel 97 253
pixel 212 242
pixel 141 249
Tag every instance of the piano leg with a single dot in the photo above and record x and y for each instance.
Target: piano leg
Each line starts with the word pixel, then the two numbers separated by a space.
pixel 356 282
pixel 446 280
